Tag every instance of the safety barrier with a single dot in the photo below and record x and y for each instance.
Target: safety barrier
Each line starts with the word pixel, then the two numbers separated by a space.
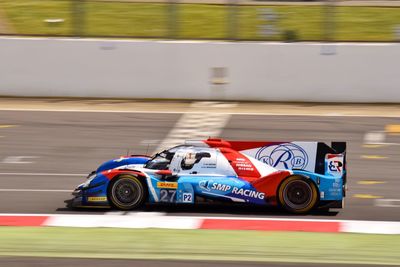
pixel 311 72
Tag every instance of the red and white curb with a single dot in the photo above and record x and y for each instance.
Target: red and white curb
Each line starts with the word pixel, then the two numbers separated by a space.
pixel 157 220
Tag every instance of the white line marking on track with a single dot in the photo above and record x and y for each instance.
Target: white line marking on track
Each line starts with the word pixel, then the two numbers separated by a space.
pixel 376 137
pixel 34 190
pixel 18 160
pixel 197 125
pixel 387 203
pixel 221 112
pixel 40 174
pixel 383 144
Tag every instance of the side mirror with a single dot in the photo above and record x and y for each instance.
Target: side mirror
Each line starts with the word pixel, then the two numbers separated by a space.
pixel 164 173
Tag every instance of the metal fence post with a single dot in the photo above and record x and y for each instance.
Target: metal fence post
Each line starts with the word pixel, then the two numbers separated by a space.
pixel 232 19
pixel 329 20
pixel 173 23
pixel 78 17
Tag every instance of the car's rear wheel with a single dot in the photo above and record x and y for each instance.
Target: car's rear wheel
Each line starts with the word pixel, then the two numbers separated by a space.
pixel 127 192
pixel 298 195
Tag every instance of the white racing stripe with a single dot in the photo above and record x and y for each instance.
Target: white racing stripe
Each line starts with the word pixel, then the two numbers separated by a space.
pixel 151 188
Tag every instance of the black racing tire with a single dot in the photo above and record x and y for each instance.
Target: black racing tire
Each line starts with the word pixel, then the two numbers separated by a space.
pixel 127 192
pixel 297 194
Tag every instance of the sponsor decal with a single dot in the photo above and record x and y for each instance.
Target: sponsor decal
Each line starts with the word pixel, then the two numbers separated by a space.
pixel 244 166
pixel 209 166
pixel 221 187
pixel 226 188
pixel 204 185
pixel 187 197
pixel 167 195
pixel 284 156
pixel 248 193
pixel 335 191
pixel 97 199
pixel 334 164
pixel 170 185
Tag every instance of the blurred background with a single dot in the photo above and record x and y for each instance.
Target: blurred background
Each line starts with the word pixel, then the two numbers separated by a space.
pixel 330 20
pixel 139 75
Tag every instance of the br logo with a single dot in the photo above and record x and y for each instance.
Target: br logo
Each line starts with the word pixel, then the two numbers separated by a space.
pixel 285 156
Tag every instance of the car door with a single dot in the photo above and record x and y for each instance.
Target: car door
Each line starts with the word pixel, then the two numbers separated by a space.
pixel 190 166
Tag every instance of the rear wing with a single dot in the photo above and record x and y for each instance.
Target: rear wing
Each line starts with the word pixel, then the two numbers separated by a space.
pixel 315 157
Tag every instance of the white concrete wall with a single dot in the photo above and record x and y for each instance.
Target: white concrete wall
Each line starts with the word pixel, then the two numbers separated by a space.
pixel 146 69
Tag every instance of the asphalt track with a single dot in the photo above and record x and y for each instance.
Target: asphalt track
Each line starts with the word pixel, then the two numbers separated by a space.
pixel 45 154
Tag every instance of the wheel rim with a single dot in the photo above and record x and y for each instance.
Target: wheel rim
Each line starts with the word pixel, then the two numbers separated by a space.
pixel 298 194
pixel 126 192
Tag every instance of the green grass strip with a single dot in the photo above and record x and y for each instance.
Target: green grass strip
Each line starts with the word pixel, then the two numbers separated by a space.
pixel 200 245
pixel 204 21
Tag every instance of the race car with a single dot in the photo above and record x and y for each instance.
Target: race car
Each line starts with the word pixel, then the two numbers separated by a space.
pixel 297 176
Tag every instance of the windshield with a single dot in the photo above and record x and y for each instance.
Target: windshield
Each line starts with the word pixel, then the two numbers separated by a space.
pixel 158 162
pixel 161 161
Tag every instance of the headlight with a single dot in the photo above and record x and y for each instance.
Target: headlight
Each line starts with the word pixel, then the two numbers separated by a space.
pixel 91 174
pixel 89 179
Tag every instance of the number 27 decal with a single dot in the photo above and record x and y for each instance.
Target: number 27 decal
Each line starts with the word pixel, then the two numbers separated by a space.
pixel 167 195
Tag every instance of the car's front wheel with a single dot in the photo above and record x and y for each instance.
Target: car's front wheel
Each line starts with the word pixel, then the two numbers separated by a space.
pixel 127 192
pixel 298 195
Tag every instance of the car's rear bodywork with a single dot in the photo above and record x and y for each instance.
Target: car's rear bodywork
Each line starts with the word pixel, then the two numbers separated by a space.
pixel 249 172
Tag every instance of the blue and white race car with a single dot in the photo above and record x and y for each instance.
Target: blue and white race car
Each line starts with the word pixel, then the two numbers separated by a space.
pixel 298 176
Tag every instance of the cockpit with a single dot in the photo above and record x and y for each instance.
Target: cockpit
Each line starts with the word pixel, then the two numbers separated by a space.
pixel 162 160
pixel 189 159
